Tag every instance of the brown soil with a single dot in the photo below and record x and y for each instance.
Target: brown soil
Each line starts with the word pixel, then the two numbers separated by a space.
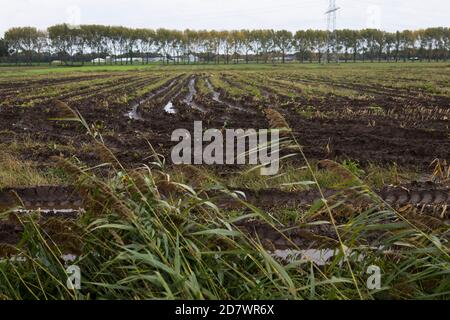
pixel 331 132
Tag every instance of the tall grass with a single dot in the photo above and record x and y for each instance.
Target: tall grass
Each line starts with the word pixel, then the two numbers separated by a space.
pixel 145 235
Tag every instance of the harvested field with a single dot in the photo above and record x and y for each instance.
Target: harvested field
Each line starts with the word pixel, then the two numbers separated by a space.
pixel 379 118
pixel 86 169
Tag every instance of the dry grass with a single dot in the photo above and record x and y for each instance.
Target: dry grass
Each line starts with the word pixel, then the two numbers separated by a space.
pixel 14 172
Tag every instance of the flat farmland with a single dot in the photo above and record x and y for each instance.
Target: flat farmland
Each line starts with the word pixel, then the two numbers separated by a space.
pixel 363 181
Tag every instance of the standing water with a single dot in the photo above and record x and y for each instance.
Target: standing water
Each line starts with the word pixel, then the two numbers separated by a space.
pixel 169 108
pixel 134 114
pixel 216 95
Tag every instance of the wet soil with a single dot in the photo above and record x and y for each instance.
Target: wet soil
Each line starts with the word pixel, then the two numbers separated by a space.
pixel 411 131
pixel 427 204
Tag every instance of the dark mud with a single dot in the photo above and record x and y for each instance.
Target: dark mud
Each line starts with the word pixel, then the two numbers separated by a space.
pixel 10 233
pixel 409 131
pixel 44 197
pixel 421 195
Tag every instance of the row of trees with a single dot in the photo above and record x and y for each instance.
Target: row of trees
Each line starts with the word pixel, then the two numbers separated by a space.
pixel 87 42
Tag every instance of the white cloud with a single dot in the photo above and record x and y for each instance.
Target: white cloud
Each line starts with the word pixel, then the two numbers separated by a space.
pixel 219 14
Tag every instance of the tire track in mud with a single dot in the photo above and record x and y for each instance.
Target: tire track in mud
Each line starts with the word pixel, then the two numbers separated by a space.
pixel 415 194
pixel 286 86
pixel 331 130
pixel 172 102
pixel 267 92
pixel 44 197
pixel 381 90
pixel 243 80
pixel 282 83
pixel 216 96
pixel 189 100
pixel 320 243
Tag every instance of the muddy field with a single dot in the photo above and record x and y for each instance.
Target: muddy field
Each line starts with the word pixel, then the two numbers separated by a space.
pixel 374 191
pixel 379 117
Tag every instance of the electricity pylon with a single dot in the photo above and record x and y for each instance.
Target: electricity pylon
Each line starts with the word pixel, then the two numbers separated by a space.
pixel 331 14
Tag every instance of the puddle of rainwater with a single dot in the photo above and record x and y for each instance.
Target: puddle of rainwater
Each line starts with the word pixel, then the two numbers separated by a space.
pixel 320 257
pixel 134 114
pixel 216 95
pixel 169 108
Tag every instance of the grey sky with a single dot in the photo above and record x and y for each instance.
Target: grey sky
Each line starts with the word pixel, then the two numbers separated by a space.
pixel 226 14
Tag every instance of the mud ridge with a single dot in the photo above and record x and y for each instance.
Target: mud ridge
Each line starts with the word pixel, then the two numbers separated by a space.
pixel 65 197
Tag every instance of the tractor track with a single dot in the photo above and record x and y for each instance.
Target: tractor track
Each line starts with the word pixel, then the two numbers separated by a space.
pixel 65 203
pixel 66 197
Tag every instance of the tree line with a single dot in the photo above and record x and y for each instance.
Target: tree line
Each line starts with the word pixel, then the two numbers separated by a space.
pixel 111 44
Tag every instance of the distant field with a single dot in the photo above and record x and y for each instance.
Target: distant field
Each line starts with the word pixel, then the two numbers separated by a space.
pixel 45 68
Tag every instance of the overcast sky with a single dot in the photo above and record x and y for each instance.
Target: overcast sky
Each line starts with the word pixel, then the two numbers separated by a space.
pixel 293 15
